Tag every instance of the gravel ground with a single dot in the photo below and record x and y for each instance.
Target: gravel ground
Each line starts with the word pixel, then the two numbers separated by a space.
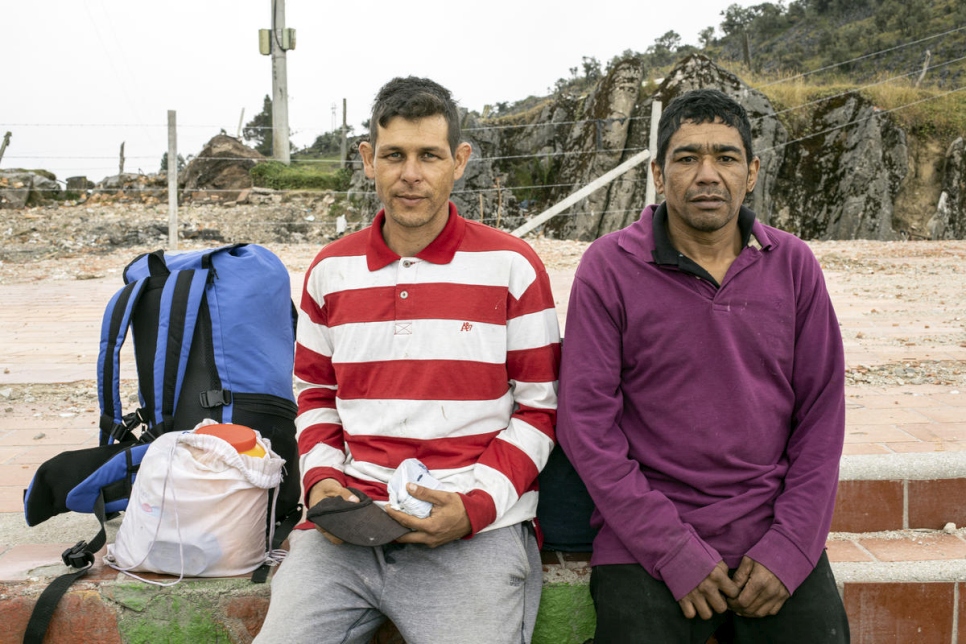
pixel 84 241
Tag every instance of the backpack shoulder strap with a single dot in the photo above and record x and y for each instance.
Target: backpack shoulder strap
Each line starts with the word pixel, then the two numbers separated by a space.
pixel 181 298
pixel 114 326
pixel 79 557
pixel 181 302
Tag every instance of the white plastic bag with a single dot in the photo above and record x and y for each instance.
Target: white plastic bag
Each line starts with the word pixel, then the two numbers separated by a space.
pixel 198 508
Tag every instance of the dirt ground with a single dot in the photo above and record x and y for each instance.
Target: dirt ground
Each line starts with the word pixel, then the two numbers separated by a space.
pixel 83 241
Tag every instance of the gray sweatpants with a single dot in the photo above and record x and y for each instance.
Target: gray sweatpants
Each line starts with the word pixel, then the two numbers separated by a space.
pixel 485 589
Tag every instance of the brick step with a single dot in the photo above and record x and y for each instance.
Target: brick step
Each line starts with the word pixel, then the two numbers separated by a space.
pixel 897 587
pixel 901 575
pixel 900 492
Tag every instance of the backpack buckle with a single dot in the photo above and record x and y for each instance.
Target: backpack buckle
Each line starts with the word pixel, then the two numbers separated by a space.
pixel 123 430
pixel 135 418
pixel 77 556
pixel 215 398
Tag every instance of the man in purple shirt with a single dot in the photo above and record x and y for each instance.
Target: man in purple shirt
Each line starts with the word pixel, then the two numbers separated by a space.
pixel 702 402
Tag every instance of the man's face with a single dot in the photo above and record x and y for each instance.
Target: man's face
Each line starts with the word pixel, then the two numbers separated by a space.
pixel 414 170
pixel 705 176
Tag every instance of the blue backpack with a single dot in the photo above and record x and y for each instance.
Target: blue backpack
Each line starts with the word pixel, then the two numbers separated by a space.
pixel 214 337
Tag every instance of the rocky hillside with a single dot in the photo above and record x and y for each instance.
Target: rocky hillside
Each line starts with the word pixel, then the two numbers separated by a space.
pixel 845 171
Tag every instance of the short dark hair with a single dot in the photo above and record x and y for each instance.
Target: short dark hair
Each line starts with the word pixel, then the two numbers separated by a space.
pixel 702 106
pixel 415 98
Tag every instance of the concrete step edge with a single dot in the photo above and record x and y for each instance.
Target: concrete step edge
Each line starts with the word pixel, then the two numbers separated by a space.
pixel 898 572
pixel 914 466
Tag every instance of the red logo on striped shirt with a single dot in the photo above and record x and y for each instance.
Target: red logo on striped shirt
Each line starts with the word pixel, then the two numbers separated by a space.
pixel 466 326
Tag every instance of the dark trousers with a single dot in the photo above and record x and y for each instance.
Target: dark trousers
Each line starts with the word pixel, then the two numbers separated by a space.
pixel 634 608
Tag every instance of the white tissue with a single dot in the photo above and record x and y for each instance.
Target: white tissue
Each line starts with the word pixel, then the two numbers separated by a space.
pixel 411 471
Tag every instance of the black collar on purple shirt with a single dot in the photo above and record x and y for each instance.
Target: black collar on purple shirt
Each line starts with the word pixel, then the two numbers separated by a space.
pixel 665 252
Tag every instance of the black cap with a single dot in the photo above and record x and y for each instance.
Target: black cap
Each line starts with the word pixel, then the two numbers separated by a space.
pixel 363 523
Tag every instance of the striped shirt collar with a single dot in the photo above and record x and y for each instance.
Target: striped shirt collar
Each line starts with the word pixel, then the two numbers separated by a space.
pixel 440 251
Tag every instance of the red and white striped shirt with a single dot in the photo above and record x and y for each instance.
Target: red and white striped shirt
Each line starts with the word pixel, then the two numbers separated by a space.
pixel 450 357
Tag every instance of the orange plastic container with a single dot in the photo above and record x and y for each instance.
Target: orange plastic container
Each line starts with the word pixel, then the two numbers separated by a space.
pixel 241 438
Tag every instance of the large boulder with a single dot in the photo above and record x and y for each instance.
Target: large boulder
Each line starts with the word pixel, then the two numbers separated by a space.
pixel 131 187
pixel 949 222
pixel 842 181
pixel 482 193
pixel 22 188
pixel 598 142
pixel 221 171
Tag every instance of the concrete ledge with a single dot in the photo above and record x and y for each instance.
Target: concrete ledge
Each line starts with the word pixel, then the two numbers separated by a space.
pixel 106 606
pixel 920 598
pixel 924 466
pixel 214 610
pixel 886 572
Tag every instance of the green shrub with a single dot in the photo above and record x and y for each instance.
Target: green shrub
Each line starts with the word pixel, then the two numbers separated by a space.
pixel 299 176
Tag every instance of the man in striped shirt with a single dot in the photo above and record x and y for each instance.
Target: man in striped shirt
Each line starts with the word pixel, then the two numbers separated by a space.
pixel 432 337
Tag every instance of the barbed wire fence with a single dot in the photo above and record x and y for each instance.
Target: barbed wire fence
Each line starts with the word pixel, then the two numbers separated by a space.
pixel 545 157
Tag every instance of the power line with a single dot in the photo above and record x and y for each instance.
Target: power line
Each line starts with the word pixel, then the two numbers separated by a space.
pixel 876 114
pixel 858 89
pixel 863 57
pixel 541 156
pixel 557 154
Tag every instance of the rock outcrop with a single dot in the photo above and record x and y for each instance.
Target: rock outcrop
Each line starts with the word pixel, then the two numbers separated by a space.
pixel 839 183
pixel 842 181
pixel 132 187
pixel 838 175
pixel 221 171
pixel 603 134
pixel 21 188
pixel 949 222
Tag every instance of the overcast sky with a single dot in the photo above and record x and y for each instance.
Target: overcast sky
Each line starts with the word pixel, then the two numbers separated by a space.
pixel 82 76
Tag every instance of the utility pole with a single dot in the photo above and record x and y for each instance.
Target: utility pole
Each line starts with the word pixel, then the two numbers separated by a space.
pixel 342 150
pixel 275 42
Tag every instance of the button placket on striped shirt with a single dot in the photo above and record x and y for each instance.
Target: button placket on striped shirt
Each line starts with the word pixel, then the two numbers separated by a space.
pixel 404 303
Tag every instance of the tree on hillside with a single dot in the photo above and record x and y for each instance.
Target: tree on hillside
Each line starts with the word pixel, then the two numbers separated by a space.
pixel 706 37
pixel 164 163
pixel 663 51
pixel 737 19
pixel 910 17
pixel 259 129
pixel 591 68
pixel 327 145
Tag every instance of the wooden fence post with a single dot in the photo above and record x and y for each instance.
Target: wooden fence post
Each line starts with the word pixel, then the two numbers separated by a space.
pixel 172 180
pixel 3 146
pixel 925 68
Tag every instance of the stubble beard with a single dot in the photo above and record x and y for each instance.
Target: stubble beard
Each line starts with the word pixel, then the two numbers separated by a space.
pixel 710 222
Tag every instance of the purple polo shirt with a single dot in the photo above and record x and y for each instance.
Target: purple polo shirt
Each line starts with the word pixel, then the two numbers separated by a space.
pixel 706 420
